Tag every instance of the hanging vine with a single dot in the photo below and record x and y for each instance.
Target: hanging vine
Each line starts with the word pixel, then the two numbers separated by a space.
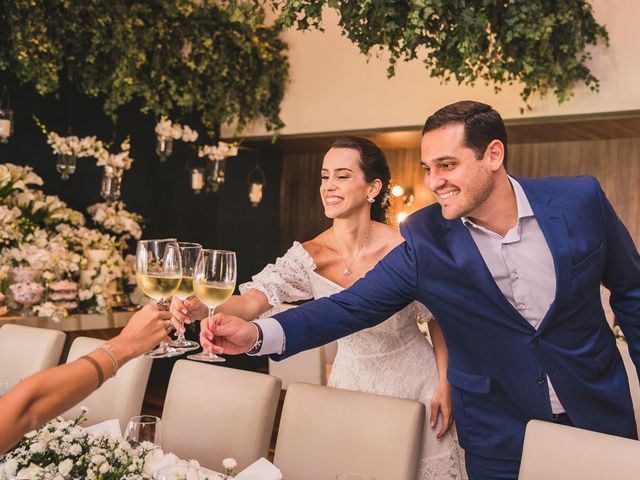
pixel 217 59
pixel 540 44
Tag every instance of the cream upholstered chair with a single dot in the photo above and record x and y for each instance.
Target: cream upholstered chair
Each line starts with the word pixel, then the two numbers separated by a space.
pixel 632 374
pixel 558 452
pixel 27 350
pixel 326 431
pixel 309 366
pixel 213 412
pixel 119 397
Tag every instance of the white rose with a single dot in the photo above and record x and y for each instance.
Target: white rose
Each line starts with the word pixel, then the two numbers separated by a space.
pixel 65 466
pixel 229 463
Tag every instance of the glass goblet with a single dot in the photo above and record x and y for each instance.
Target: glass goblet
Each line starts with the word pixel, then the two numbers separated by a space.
pixel 144 428
pixel 214 280
pixel 188 256
pixel 158 274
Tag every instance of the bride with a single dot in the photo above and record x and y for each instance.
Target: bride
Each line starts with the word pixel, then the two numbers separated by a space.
pixel 392 358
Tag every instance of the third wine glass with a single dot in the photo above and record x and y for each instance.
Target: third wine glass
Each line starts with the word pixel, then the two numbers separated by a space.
pixel 188 256
pixel 214 280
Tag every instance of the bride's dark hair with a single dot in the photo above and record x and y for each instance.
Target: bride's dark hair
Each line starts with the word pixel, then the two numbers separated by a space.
pixel 374 165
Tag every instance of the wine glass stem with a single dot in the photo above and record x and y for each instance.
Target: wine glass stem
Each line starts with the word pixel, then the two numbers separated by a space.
pixel 163 304
pixel 211 309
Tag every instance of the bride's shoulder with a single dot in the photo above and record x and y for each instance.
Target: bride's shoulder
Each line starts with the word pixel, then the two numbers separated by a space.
pixel 315 246
pixel 388 235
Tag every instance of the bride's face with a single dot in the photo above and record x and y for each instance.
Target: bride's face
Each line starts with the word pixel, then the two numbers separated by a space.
pixel 343 189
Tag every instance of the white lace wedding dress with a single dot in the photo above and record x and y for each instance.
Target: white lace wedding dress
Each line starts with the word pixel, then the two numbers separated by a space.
pixel 393 358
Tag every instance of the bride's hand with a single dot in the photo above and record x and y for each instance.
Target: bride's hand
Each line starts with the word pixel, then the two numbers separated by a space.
pixel 187 311
pixel 441 405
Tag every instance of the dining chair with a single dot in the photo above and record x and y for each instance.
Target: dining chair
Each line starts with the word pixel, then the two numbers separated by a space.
pixel 325 431
pixel 213 412
pixel 27 350
pixel 558 452
pixel 119 397
pixel 310 366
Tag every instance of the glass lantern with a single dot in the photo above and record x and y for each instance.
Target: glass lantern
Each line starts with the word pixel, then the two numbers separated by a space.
pixel 111 185
pixel 66 165
pixel 164 147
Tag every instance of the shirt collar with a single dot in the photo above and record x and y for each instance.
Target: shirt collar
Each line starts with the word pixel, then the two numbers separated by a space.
pixel 522 202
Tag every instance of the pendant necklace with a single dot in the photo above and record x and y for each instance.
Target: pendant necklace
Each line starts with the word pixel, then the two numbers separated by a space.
pixel 347 266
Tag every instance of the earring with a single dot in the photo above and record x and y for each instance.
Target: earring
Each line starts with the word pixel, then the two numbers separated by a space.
pixel 371 199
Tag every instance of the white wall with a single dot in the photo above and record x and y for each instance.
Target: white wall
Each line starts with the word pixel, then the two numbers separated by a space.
pixel 334 88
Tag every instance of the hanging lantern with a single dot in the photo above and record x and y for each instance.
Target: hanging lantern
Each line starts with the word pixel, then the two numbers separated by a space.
pixel 111 185
pixel 164 147
pixel 6 116
pixel 197 180
pixel 215 175
pixel 66 165
pixel 256 180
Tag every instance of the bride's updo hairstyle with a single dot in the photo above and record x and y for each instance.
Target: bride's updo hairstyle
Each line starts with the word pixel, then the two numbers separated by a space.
pixel 374 165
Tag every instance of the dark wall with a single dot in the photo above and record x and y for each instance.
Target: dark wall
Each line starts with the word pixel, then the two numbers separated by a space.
pixel 159 191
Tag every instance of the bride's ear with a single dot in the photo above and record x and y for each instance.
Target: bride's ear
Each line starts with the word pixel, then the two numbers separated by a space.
pixel 374 188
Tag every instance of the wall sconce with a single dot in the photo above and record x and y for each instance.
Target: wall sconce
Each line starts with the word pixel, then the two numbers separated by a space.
pixel 6 116
pixel 256 181
pixel 405 194
pixel 197 180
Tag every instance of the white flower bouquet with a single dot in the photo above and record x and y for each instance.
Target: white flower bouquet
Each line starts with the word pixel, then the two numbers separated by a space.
pixel 218 152
pixel 73 145
pixel 114 217
pixel 169 130
pixel 117 161
pixel 62 450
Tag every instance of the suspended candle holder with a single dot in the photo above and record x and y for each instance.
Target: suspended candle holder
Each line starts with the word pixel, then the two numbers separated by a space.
pixel 256 180
pixel 215 176
pixel 197 180
pixel 164 147
pixel 111 185
pixel 66 165
pixel 6 116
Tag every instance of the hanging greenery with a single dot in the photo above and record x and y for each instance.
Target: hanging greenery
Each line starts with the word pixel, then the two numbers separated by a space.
pixel 541 44
pixel 216 59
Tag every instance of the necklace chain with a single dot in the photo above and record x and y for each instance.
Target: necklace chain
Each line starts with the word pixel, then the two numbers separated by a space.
pixel 347 266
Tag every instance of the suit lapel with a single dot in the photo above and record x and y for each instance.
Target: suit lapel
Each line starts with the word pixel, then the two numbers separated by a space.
pixel 467 256
pixel 554 228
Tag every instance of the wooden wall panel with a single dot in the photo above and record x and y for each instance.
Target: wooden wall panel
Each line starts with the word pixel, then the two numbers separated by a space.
pixel 616 164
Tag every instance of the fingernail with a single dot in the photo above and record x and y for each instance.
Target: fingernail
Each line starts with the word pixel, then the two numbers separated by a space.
pixel 433 424
pixel 186 303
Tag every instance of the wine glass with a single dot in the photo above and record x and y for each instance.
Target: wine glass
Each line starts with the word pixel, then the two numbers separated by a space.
pixel 188 256
pixel 214 280
pixel 158 274
pixel 144 428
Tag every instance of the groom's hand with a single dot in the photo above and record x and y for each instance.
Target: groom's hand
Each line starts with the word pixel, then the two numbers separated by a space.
pixel 228 334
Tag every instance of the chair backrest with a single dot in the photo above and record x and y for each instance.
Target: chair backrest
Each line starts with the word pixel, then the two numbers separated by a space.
pixel 27 350
pixel 309 366
pixel 119 397
pixel 632 374
pixel 213 412
pixel 325 431
pixel 558 452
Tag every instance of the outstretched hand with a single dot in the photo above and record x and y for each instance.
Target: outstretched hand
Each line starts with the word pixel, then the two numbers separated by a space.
pixel 441 406
pixel 186 311
pixel 228 334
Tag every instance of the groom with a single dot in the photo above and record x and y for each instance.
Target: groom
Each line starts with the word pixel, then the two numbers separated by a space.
pixel 511 267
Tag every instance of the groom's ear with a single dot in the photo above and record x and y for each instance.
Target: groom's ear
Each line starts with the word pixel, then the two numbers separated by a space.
pixel 494 153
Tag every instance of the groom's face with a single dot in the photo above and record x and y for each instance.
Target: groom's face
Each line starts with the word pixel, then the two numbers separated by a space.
pixel 460 182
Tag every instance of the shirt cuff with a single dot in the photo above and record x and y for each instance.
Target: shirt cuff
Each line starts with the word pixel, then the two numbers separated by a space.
pixel 273 336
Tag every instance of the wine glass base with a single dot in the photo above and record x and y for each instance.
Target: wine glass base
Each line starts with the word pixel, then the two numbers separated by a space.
pixel 186 345
pixel 165 352
pixel 206 357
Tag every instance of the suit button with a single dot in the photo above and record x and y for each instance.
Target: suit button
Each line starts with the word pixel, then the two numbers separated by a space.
pixel 541 380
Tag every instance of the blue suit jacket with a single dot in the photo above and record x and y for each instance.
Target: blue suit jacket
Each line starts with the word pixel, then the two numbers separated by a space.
pixel 497 361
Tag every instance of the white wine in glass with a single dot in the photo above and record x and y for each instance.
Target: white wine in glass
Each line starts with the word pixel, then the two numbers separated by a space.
pixel 188 256
pixel 159 273
pixel 214 281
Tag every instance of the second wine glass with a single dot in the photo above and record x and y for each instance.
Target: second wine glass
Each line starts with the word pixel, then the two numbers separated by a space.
pixel 214 281
pixel 158 274
pixel 188 256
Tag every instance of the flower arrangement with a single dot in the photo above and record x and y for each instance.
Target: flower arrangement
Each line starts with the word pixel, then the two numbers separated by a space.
pixel 167 129
pixel 62 449
pixel 73 145
pixel 229 465
pixel 40 232
pixel 218 152
pixel 116 161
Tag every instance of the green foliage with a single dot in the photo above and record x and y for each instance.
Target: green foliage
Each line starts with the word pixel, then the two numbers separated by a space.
pixel 540 43
pixel 172 57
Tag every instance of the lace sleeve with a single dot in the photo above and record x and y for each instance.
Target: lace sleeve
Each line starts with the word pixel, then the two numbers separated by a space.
pixel 287 280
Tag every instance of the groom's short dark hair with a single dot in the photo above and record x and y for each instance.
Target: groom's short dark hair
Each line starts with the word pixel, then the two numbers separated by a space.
pixel 482 124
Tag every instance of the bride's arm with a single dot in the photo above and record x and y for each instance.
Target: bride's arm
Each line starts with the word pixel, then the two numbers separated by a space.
pixel 441 401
